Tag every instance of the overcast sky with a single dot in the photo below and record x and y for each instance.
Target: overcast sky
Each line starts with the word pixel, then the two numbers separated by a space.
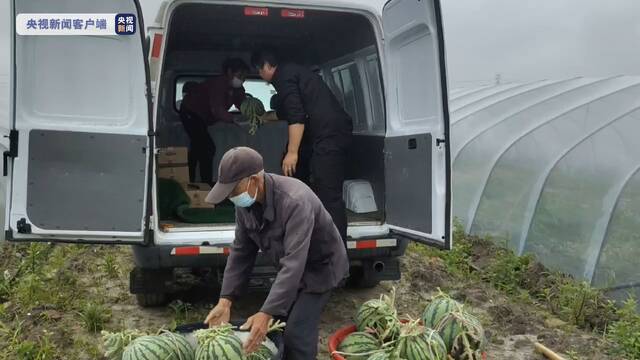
pixel 537 39
pixel 521 39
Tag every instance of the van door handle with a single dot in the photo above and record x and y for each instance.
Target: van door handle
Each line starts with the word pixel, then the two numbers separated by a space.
pixel 5 163
pixel 412 144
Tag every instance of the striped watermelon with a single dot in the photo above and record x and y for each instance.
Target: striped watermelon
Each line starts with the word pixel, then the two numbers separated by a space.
pixel 263 353
pixel 358 346
pixel 379 316
pixel 115 343
pixel 463 335
pixel 167 346
pixel 381 355
pixel 222 347
pixel 438 309
pixel 252 108
pixel 421 344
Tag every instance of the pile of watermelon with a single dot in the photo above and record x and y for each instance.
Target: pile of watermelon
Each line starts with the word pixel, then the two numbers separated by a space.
pixel 445 329
pixel 218 343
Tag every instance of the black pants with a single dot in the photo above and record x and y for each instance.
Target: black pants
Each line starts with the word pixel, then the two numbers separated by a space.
pixel 323 167
pixel 301 333
pixel 201 147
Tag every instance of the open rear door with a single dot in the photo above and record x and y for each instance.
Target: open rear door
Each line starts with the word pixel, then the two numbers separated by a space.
pixel 417 162
pixel 81 131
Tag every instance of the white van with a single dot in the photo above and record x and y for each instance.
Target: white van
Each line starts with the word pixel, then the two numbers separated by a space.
pixel 89 113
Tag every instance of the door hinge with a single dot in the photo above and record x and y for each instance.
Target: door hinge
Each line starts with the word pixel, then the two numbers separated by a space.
pixel 439 142
pixel 11 153
pixel 23 227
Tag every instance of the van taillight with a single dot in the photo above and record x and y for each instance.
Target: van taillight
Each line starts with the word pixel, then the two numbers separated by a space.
pixel 256 11
pixel 292 13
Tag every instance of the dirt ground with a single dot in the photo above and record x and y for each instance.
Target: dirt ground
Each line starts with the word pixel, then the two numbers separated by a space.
pixel 512 326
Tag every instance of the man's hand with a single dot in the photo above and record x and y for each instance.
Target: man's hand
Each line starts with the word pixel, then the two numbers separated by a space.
pixel 289 164
pixel 259 325
pixel 220 314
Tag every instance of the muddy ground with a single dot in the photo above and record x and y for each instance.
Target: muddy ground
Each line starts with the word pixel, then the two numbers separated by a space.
pixel 512 325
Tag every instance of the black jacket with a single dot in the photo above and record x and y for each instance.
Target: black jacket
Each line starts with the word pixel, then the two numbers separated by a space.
pixel 304 98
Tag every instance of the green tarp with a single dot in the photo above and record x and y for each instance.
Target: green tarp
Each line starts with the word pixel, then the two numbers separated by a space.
pixel 173 204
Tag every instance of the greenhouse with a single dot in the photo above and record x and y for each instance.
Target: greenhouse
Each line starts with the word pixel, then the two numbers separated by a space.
pixel 552 168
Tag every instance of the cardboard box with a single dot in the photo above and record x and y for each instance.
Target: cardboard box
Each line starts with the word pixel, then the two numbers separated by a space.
pixel 197 192
pixel 177 173
pixel 172 156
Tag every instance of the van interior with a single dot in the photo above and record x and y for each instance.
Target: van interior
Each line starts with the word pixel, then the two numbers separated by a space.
pixel 340 46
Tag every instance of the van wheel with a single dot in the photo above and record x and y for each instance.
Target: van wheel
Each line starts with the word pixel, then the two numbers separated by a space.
pixel 151 300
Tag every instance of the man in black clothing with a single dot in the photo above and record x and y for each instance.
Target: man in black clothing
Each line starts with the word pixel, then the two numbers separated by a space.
pixel 319 131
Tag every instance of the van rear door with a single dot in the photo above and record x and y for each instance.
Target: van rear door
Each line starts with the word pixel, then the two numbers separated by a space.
pixel 81 169
pixel 417 163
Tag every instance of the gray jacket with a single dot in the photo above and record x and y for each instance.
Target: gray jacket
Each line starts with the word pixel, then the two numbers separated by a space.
pixel 296 232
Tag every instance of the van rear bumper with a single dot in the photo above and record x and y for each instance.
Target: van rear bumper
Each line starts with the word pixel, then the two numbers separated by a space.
pixel 164 256
pixel 154 264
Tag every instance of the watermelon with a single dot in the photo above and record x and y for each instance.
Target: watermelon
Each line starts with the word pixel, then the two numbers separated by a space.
pixel 252 109
pixel 166 346
pixel 379 316
pixel 115 343
pixel 462 334
pixel 358 346
pixel 381 355
pixel 420 344
pixel 263 353
pixel 438 309
pixel 221 347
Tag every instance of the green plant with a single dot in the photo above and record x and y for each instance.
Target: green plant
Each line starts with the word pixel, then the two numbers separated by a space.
pixel 508 272
pixel 578 303
pixel 43 349
pixel 573 355
pixel 180 311
pixel 94 316
pixel 87 347
pixel 14 347
pixel 32 291
pixel 36 255
pixel 457 260
pixel 626 331
pixel 110 266
pixel 5 287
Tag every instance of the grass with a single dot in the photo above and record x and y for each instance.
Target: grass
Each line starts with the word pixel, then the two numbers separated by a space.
pixel 43 349
pixel 626 331
pixel 39 288
pixel 457 261
pixel 574 302
pixel 5 286
pixel 578 303
pixel 110 266
pixel 16 347
pixel 181 311
pixel 35 269
pixel 94 317
pixel 508 272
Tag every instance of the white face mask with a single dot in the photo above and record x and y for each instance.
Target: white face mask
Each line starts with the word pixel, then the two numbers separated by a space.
pixel 244 200
pixel 236 83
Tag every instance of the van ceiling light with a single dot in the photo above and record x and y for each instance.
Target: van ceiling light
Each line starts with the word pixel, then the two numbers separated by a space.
pixel 292 13
pixel 256 11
